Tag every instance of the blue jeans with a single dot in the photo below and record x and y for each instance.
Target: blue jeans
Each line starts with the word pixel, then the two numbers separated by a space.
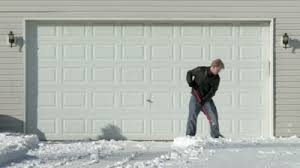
pixel 209 109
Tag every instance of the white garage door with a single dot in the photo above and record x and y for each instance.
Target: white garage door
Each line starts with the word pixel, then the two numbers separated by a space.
pixel 91 79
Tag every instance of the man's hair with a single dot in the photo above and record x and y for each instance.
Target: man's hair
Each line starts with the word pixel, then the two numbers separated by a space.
pixel 217 63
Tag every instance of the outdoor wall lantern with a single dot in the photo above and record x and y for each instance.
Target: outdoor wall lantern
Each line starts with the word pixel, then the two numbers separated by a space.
pixel 11 38
pixel 285 40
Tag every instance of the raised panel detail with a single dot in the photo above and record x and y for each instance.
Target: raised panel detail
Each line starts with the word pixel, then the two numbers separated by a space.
pixel 132 74
pixel 48 74
pixel 106 52
pixel 161 30
pixel 133 126
pixel 132 52
pixel 47 126
pixel 73 100
pixel 221 30
pixel 103 30
pixel 161 100
pixel 47 52
pixel 161 74
pixel 250 128
pixel 73 126
pixel 133 29
pixel 74 74
pixel 226 126
pixel 46 30
pixel 74 30
pixel 74 52
pixel 192 52
pixel 253 74
pixel 250 31
pixel 132 99
pixel 227 76
pixel 162 126
pixel 103 99
pixel 224 99
pixel 47 99
pixel 192 30
pixel 250 98
pixel 161 52
pixel 99 125
pixel 103 74
pixel 222 52
pixel 250 53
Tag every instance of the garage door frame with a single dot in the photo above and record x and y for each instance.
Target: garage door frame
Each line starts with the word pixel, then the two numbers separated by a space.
pixel 271 22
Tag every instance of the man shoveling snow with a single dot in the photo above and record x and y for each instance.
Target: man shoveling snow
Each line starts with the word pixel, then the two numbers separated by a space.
pixel 204 86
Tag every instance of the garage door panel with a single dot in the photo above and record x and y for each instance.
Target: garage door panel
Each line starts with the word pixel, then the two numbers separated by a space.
pixel 47 126
pixel 191 30
pixel 229 77
pixel 248 98
pixel 161 52
pixel 137 126
pixel 48 99
pixel 46 29
pixel 103 74
pixel 73 126
pixel 74 74
pixel 161 30
pixel 160 100
pixel 162 127
pixel 74 52
pixel 161 74
pixel 250 52
pixel 48 52
pixel 132 99
pixel 250 128
pixel 48 74
pixel 132 74
pixel 192 52
pixel 224 50
pixel 99 124
pixel 224 98
pixel 133 52
pixel 73 29
pixel 74 99
pixel 104 29
pixel 132 77
pixel 103 99
pixel 104 52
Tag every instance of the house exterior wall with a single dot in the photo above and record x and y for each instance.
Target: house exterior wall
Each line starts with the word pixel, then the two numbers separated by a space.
pixel 286 69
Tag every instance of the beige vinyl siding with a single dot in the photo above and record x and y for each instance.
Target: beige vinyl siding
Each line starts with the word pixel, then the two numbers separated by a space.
pixel 287 14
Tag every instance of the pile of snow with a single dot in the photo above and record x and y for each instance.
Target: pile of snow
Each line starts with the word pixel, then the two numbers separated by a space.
pixel 14 146
pixel 193 141
pixel 61 153
pixel 183 142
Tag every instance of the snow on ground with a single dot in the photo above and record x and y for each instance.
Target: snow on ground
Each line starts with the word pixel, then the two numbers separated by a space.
pixel 14 146
pixel 183 152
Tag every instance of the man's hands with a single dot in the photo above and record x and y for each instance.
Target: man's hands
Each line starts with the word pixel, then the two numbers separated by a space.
pixel 202 102
pixel 192 84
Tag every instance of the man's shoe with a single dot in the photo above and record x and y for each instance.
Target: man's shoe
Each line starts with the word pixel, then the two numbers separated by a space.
pixel 221 136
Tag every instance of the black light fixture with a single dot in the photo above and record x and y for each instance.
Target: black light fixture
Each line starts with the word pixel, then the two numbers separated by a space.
pixel 11 38
pixel 285 40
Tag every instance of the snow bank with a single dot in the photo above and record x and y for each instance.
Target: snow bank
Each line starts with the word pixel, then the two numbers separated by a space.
pixel 14 146
pixel 187 141
pixel 63 153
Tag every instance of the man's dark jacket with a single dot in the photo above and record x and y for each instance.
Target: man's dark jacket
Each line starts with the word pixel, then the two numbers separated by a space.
pixel 205 82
